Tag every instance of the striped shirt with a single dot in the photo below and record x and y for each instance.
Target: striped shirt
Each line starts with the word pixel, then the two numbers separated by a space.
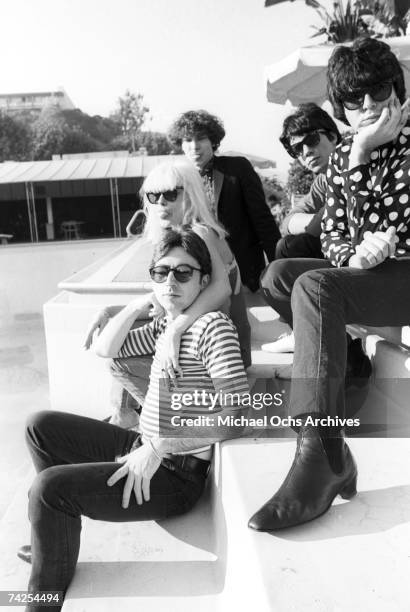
pixel 210 359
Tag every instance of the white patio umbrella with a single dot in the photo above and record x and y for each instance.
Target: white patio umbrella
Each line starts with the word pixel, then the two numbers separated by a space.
pixel 301 76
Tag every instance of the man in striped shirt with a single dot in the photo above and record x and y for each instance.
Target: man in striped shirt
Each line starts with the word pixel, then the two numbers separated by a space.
pixel 165 465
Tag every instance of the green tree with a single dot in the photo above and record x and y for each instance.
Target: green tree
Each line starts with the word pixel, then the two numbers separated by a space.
pixel 52 134
pixel 155 143
pixel 14 139
pixel 276 198
pixel 101 129
pixel 131 115
pixel 299 178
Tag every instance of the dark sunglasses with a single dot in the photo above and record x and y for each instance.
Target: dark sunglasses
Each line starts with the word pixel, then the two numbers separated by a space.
pixel 378 93
pixel 183 273
pixel 170 195
pixel 311 139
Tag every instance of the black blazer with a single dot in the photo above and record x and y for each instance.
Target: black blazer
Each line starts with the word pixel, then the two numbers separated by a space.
pixel 242 210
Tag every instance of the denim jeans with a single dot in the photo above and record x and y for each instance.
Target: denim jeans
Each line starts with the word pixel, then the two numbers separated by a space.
pixel 130 382
pixel 74 457
pixel 299 245
pixel 319 300
pixel 130 379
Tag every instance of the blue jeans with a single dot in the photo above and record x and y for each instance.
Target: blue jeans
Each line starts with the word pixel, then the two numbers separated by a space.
pixel 74 457
pixel 319 300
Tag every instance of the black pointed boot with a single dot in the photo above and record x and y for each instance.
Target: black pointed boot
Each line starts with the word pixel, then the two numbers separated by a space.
pixel 310 486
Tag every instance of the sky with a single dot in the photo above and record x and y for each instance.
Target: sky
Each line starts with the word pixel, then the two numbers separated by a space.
pixel 180 54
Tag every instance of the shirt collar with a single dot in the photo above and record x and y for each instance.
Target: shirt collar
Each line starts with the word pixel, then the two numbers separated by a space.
pixel 207 170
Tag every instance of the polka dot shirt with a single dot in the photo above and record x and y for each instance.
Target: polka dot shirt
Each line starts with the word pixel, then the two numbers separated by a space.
pixel 368 198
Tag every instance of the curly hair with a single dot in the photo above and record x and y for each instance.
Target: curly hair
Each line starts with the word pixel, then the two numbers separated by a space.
pixel 307 118
pixel 196 122
pixel 353 69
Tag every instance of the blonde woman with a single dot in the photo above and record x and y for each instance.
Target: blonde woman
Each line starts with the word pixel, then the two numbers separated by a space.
pixel 174 195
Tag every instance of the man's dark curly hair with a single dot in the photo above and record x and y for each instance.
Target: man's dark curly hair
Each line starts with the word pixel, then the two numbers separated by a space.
pixel 196 122
pixel 353 69
pixel 307 118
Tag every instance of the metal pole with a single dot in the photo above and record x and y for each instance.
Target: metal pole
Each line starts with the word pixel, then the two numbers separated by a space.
pixel 117 202
pixel 50 219
pixel 115 207
pixel 31 207
pixel 29 211
pixel 114 225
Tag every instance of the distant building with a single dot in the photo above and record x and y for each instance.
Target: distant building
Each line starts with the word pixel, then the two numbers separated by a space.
pixel 34 102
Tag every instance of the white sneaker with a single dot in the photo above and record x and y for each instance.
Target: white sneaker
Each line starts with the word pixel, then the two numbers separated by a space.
pixel 284 344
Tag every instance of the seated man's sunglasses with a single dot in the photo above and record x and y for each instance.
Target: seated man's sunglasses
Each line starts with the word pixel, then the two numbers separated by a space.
pixel 311 139
pixel 183 273
pixel 378 93
pixel 170 195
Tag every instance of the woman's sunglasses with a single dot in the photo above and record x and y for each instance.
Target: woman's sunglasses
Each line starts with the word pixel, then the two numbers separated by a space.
pixel 378 93
pixel 170 195
pixel 182 273
pixel 311 139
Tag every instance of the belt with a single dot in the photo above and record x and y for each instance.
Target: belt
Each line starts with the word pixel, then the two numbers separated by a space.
pixel 187 463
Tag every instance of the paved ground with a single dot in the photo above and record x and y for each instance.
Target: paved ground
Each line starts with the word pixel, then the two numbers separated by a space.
pixel 365 542
pixel 23 389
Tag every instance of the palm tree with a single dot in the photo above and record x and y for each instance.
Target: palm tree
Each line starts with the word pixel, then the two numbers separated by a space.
pixel 354 18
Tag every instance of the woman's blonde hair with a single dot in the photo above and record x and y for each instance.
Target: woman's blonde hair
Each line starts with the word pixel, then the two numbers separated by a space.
pixel 195 203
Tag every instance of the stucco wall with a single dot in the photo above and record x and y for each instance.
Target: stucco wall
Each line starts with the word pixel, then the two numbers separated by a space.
pixel 29 273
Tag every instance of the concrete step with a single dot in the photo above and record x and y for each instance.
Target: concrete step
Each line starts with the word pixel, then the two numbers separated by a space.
pixel 391 370
pixel 265 324
pixel 14 532
pixel 210 560
pixel 148 566
pixel 390 357
pixel 170 565
pixel 268 365
pixel 395 335
pixel 353 558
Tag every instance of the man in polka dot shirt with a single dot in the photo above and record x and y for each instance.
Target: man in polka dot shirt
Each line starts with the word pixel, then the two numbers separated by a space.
pixel 364 280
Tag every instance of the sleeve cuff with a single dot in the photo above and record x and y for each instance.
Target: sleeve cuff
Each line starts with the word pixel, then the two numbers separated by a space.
pixel 357 179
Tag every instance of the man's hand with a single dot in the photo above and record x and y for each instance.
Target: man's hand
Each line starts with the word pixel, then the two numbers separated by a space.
pixel 374 249
pixel 156 309
pixel 139 467
pixel 169 356
pixel 97 324
pixel 387 127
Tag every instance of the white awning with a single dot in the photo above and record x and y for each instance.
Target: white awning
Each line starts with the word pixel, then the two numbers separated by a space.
pixel 79 169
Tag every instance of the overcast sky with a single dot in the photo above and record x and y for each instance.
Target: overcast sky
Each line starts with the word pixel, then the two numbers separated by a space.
pixel 181 54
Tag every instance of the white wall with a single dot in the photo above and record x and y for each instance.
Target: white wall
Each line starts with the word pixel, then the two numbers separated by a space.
pixel 29 273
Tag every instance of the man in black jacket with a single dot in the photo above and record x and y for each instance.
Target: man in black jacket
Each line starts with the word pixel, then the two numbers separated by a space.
pixel 235 192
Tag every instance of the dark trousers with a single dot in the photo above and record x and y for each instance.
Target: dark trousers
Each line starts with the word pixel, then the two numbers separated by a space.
pixel 319 300
pixel 299 245
pixel 74 457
